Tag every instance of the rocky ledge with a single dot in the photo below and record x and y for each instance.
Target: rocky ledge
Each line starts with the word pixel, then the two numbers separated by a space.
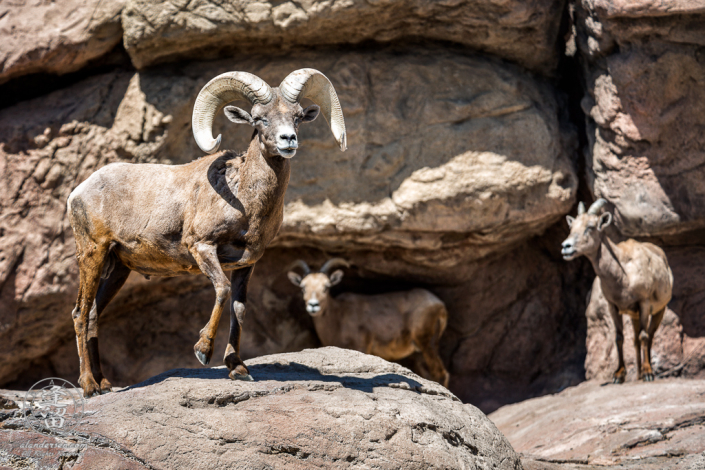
pixel 636 425
pixel 322 408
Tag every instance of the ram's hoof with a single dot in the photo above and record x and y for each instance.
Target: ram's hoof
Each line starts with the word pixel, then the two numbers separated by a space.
pixel 202 358
pixel 241 373
pixel 648 377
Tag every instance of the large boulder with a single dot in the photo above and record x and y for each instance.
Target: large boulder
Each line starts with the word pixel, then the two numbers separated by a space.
pixel 438 182
pixel 634 426
pixel 56 37
pixel 325 408
pixel 157 31
pixel 645 76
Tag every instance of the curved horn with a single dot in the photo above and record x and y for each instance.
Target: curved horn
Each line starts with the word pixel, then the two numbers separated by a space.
pixel 221 90
pixel 597 206
pixel 312 84
pixel 333 263
pixel 299 263
pixel 581 208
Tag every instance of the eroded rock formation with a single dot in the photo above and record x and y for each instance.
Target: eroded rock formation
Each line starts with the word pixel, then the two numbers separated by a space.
pixel 324 408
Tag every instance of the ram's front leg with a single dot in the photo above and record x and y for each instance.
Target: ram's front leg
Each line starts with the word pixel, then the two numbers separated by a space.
pixel 239 278
pixel 207 258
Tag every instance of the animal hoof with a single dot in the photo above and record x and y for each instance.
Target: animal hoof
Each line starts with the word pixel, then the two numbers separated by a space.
pixel 105 386
pixel 202 358
pixel 245 378
pixel 648 377
pixel 89 386
pixel 618 380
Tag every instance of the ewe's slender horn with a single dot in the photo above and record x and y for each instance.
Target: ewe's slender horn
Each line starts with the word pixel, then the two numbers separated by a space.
pixel 223 89
pixel 597 206
pixel 581 208
pixel 334 263
pixel 312 84
pixel 299 263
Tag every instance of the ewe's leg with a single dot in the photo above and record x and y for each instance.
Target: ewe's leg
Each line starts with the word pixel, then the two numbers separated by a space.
pixel 207 258
pixel 636 326
pixel 621 372
pixel 651 323
pixel 239 278
pixel 106 292
pixel 90 264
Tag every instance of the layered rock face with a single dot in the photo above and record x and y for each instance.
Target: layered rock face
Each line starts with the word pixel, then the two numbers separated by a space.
pixel 462 162
pixel 324 408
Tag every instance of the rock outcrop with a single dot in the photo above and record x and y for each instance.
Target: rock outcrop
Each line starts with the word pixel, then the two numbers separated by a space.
pixel 645 74
pixel 645 426
pixel 325 408
pixel 56 37
pixel 157 31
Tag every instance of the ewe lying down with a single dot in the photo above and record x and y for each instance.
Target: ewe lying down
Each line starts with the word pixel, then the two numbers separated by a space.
pixel 214 214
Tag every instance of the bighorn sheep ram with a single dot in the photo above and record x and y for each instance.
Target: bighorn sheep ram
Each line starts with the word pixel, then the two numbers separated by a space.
pixel 392 326
pixel 635 279
pixel 216 213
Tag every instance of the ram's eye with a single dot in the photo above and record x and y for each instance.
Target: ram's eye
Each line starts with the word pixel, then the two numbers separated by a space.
pixel 264 122
pixel 297 120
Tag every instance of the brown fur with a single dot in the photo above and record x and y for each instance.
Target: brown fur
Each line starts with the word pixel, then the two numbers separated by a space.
pixel 392 326
pixel 635 279
pixel 214 214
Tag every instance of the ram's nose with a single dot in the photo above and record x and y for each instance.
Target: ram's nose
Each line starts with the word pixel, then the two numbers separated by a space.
pixel 313 306
pixel 568 249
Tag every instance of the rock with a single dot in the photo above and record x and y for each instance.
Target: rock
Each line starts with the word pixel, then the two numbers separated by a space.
pixel 157 32
pixel 679 344
pixel 324 408
pixel 635 425
pixel 645 75
pixel 412 202
pixel 7 403
pixel 56 37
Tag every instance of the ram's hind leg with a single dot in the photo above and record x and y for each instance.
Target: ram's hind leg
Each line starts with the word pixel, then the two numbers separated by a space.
pixel 427 342
pixel 91 258
pixel 109 287
pixel 650 325
pixel 239 278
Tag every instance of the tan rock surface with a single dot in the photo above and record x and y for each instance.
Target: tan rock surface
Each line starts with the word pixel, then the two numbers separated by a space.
pixel 646 426
pixel 646 100
pixel 159 31
pixel 324 408
pixel 56 37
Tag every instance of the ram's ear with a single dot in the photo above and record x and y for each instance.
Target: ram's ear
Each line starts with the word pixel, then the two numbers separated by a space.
pixel 605 220
pixel 311 113
pixel 294 278
pixel 336 277
pixel 238 116
pixel 570 220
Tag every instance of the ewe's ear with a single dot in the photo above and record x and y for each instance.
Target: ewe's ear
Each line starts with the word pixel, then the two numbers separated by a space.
pixel 238 116
pixel 570 220
pixel 294 278
pixel 336 277
pixel 605 220
pixel 311 113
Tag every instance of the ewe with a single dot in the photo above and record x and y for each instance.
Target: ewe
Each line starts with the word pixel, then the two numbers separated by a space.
pixel 214 214
pixel 392 326
pixel 635 279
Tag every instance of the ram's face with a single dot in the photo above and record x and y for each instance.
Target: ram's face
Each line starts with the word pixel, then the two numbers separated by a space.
pixel 585 234
pixel 277 124
pixel 316 288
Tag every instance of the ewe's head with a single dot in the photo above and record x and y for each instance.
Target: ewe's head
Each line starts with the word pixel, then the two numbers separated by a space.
pixel 586 230
pixel 316 286
pixel 276 113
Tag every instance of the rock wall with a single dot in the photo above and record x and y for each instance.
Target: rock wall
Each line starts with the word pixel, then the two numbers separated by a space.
pixel 462 162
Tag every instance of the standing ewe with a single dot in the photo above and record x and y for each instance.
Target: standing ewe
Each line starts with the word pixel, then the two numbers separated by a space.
pixel 392 326
pixel 214 214
pixel 635 279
